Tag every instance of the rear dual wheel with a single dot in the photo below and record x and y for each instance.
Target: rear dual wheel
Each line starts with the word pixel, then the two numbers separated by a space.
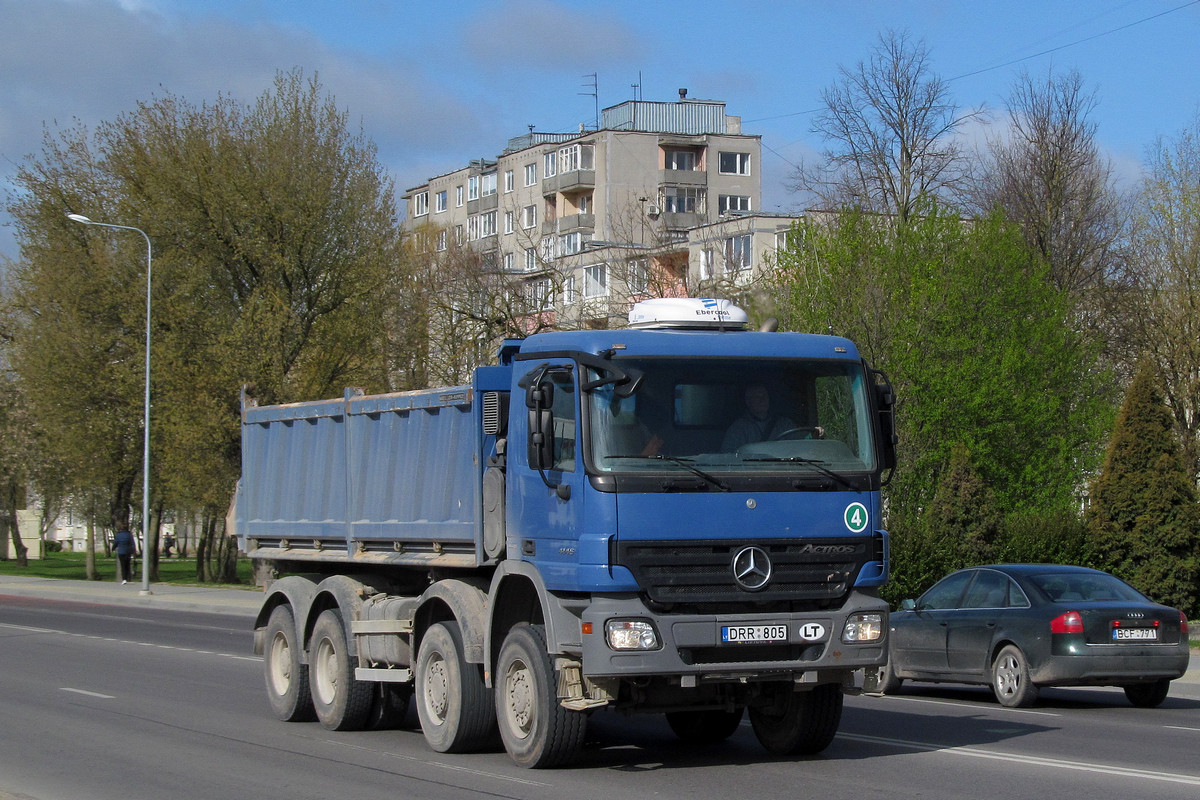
pixel 286 676
pixel 342 702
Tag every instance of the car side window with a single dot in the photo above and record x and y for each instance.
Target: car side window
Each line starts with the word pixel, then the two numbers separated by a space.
pixel 945 593
pixel 989 590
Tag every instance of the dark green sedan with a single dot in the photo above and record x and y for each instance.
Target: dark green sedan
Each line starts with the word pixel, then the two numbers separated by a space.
pixel 1019 627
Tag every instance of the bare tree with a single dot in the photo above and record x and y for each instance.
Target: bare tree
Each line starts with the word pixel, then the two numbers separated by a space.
pixel 1047 174
pixel 890 126
pixel 1165 248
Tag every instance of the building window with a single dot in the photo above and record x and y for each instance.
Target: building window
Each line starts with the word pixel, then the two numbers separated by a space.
pixel 576 157
pixel 529 217
pixel 549 162
pixel 489 184
pixel 541 294
pixel 458 196
pixel 707 263
pixel 509 221
pixel 459 234
pixel 569 293
pixel 733 202
pixel 473 227
pixel 439 201
pixel 549 249
pixel 639 276
pixel 441 240
pixel 531 259
pixel 682 200
pixel 420 204
pixel 531 174
pixel 487 223
pixel 509 262
pixel 595 280
pixel 737 253
pixel 584 204
pixel 508 181
pixel 473 188
pixel 789 239
pixel 571 243
pixel 734 163
pixel 679 159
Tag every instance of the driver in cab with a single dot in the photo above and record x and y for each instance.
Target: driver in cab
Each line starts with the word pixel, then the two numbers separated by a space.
pixel 758 424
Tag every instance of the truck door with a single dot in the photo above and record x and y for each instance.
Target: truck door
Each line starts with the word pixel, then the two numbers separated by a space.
pixel 546 508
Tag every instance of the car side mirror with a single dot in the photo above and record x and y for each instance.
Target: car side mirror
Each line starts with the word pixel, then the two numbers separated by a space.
pixel 908 605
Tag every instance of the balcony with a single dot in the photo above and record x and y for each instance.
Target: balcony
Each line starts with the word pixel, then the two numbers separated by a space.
pixel 682 177
pixel 569 181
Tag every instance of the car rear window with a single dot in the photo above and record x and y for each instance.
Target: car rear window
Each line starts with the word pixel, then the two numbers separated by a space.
pixel 1085 587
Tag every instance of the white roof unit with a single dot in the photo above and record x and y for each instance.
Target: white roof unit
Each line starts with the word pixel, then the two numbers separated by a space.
pixel 687 313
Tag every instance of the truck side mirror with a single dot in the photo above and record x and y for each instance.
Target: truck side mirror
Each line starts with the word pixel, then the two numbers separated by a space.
pixel 539 394
pixel 885 404
pixel 541 438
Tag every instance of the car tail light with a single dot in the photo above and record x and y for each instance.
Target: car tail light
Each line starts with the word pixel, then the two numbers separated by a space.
pixel 1070 622
pixel 1183 626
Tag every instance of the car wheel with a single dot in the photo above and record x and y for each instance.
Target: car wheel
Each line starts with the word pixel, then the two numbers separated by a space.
pixel 1148 695
pixel 888 682
pixel 1010 679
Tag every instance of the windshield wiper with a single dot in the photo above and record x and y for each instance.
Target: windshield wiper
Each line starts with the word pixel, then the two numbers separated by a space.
pixel 686 464
pixel 815 463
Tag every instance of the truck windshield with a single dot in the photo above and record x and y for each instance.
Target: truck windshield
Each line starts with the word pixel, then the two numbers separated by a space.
pixel 723 416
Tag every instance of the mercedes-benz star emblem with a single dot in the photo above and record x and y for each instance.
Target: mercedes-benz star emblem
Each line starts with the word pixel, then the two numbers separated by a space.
pixel 752 568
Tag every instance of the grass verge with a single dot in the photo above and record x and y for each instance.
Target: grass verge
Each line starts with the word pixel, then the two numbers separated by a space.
pixel 73 567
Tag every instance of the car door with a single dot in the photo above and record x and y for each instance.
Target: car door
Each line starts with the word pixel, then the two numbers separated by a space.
pixel 919 638
pixel 971 629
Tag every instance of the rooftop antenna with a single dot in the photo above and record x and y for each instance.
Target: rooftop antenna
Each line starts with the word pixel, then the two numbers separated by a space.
pixel 595 94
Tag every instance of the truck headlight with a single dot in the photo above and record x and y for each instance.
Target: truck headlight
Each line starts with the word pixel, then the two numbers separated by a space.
pixel 863 628
pixel 631 634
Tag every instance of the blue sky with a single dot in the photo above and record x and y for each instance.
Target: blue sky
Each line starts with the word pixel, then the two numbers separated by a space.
pixel 436 84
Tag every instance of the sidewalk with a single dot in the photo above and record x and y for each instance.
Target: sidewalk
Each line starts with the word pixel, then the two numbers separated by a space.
pixel 242 602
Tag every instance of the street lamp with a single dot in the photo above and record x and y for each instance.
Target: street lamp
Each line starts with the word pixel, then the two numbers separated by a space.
pixel 146 403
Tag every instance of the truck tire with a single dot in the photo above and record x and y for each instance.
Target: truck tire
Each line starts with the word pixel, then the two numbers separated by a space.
pixel 389 706
pixel 537 731
pixel 342 702
pixel 710 726
pixel 286 677
pixel 453 702
pixel 798 723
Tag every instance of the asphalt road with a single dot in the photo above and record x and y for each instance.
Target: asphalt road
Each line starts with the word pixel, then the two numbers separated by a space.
pixel 157 698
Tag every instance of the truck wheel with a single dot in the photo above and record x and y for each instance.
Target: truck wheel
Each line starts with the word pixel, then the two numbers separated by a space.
pixel 798 723
pixel 536 729
pixel 389 706
pixel 342 703
pixel 453 703
pixel 1010 679
pixel 704 727
pixel 287 678
pixel 1148 695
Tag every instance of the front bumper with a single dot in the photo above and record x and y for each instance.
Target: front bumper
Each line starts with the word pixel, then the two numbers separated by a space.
pixel 691 644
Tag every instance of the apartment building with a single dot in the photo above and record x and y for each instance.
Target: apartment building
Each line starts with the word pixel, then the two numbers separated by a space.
pixel 581 224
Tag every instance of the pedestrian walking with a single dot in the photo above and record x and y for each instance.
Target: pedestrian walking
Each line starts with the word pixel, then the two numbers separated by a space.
pixel 124 543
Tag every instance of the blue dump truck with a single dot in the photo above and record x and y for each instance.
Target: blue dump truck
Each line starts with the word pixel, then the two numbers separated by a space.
pixel 681 517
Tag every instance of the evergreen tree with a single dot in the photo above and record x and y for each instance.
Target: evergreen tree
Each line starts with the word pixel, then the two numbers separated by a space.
pixel 963 513
pixel 1144 516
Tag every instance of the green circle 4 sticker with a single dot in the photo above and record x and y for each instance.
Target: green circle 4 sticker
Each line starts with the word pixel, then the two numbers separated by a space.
pixel 856 517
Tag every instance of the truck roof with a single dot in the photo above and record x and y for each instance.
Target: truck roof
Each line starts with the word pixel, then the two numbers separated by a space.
pixel 741 344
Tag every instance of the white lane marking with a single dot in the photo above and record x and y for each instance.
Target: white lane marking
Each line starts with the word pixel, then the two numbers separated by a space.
pixel 1056 763
pixel 113 640
pixel 89 694
pixel 989 707
pixel 1181 728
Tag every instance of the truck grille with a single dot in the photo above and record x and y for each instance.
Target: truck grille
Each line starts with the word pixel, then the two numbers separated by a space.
pixel 805 571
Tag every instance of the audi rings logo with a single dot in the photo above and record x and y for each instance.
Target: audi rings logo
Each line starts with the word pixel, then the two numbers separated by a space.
pixel 752 568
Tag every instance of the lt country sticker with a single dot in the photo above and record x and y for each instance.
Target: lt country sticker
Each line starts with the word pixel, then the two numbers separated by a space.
pixel 856 517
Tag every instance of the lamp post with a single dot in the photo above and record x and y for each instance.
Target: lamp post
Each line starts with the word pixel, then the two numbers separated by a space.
pixel 146 403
